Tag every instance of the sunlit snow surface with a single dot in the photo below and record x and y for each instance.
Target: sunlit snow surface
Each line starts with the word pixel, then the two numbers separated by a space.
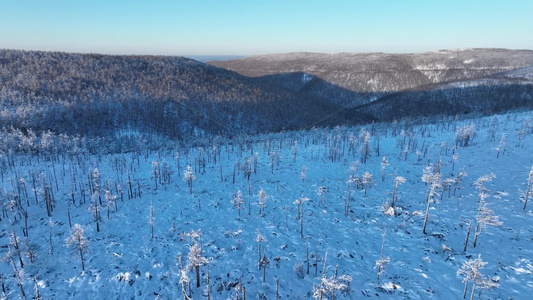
pixel 124 262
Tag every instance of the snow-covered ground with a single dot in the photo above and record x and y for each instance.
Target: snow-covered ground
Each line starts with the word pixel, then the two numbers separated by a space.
pixel 123 261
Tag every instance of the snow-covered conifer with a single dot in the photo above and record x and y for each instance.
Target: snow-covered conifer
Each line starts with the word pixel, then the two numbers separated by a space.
pixel 384 164
pixel 365 146
pixel 382 261
pixel 77 239
pixel 156 173
pixel 484 218
pixel 433 181
pixel 237 201
pixel 195 260
pixel 322 194
pixel 151 219
pixel 111 200
pixel 457 180
pixel 368 179
pixel 501 146
pixel 303 174
pixel 398 180
pixel 470 271
pixel 189 177
pixel 261 199
pixel 260 238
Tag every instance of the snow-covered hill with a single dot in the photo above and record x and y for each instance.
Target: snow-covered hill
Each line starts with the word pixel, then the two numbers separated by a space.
pixel 353 79
pixel 305 245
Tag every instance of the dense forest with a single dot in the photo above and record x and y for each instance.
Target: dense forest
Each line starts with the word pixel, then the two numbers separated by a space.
pixel 101 96
pixel 52 101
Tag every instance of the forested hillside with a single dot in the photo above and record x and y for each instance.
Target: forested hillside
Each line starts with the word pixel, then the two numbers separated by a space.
pixel 108 96
pixel 353 79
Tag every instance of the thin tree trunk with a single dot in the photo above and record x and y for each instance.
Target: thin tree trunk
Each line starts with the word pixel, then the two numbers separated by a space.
pixel 426 217
pixel 467 236
pixel 197 268
pixel 81 258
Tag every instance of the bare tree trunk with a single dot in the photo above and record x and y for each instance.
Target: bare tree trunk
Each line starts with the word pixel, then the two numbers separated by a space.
pixel 197 269
pixel 426 217
pixel 207 274
pixel 81 258
pixel 473 290
pixel 467 236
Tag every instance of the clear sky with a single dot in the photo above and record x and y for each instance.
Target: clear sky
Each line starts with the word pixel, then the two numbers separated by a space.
pixel 247 27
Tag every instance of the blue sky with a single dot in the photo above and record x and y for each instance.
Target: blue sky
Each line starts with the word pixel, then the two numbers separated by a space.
pixel 247 27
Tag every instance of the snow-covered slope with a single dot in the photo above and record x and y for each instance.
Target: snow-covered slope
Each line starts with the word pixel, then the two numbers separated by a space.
pixel 124 261
pixel 353 79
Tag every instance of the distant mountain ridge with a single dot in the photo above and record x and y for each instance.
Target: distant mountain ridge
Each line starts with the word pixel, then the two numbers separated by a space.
pixel 353 79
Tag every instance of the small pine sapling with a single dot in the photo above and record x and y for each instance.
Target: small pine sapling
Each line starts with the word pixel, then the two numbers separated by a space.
pixel 303 174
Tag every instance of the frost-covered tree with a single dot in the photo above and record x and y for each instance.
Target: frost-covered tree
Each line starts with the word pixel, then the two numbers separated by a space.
pixel 484 218
pixel 484 215
pixel 156 173
pixel 261 199
pixel 151 218
pixel 189 177
pixel 300 203
pixel 432 181
pixel 349 184
pixel 259 239
pixel 457 180
pixel 111 200
pixel 368 179
pixel 77 240
pixel 470 271
pixel 322 194
pixel 184 280
pixel 364 136
pixel 528 194
pixel 398 180
pixel 382 261
pixel 501 146
pixel 384 164
pixel 237 201
pixel 303 174
pixel 464 135
pixel 195 260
